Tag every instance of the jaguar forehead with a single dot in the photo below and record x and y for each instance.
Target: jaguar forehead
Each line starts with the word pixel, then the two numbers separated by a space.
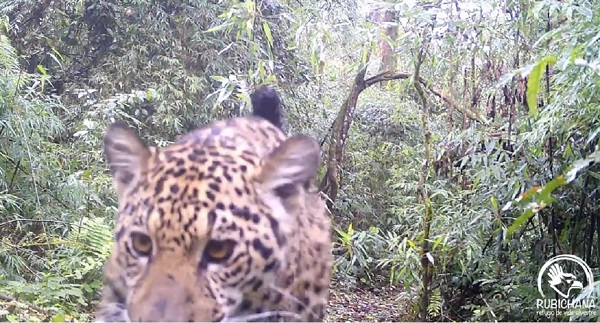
pixel 193 184
pixel 188 224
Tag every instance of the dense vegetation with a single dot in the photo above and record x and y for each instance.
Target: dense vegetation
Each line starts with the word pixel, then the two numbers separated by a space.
pixel 460 138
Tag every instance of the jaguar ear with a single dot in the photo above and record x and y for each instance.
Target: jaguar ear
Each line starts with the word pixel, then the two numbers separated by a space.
pixel 294 163
pixel 266 104
pixel 127 156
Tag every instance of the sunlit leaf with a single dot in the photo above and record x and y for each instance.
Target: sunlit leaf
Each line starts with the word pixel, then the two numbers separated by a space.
pixel 430 258
pixel 219 78
pixel 576 168
pixel 42 69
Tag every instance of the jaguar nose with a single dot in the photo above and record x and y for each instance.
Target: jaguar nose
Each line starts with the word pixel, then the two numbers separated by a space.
pixel 172 302
pixel 165 307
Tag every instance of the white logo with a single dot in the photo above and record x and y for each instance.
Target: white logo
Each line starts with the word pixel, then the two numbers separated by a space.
pixel 567 275
pixel 564 283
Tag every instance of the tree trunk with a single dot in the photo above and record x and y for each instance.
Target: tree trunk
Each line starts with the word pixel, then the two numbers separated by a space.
pixel 386 20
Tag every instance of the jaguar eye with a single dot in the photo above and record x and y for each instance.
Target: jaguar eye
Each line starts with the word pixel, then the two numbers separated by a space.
pixel 141 244
pixel 219 251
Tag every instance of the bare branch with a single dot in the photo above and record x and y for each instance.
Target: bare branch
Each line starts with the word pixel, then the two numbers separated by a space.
pixel 391 75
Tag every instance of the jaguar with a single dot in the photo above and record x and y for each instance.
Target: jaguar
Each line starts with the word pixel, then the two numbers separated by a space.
pixel 225 224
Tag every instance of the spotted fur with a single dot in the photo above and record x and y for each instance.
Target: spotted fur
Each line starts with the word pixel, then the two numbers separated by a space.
pixel 223 225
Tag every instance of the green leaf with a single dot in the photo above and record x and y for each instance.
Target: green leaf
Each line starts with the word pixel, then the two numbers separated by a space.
pixel 437 241
pixel 533 84
pixel 219 78
pixel 149 95
pixel 538 198
pixel 58 54
pixel 244 96
pixel 42 70
pixel 216 28
pixel 267 30
pixel 494 204
pixel 520 220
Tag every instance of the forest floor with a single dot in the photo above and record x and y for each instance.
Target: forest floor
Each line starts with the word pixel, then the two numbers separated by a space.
pixel 375 302
pixel 365 304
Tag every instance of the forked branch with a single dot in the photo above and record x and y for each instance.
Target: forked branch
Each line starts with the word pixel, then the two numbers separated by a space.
pixel 330 183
